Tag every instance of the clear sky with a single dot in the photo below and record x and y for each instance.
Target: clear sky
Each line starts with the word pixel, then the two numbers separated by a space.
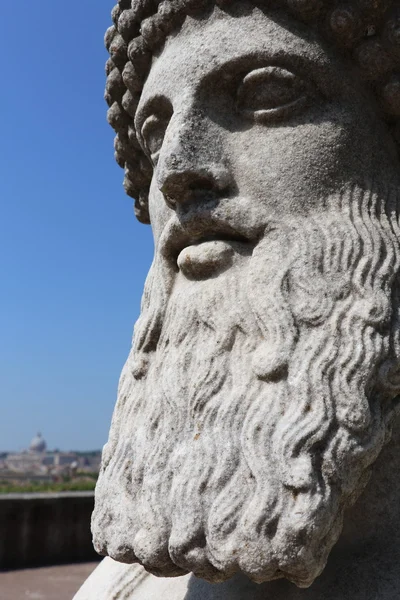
pixel 73 258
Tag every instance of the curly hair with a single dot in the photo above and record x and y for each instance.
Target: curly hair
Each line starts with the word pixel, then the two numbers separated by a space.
pixel 367 30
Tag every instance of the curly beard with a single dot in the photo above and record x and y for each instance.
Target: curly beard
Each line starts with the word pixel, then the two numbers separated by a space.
pixel 253 404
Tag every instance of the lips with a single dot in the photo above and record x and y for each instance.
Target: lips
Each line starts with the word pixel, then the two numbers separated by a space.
pixel 199 230
pixel 218 237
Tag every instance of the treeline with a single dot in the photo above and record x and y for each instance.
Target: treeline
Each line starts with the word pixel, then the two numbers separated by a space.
pixel 47 486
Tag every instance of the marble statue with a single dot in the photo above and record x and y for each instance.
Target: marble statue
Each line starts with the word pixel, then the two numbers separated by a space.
pixel 260 140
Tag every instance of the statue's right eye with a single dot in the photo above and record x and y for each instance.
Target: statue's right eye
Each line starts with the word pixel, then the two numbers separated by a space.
pixel 271 93
pixel 152 134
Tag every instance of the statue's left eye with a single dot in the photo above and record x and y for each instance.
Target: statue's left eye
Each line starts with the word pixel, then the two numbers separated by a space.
pixel 152 133
pixel 271 93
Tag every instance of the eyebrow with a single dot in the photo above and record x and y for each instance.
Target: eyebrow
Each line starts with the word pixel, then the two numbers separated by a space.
pixel 302 65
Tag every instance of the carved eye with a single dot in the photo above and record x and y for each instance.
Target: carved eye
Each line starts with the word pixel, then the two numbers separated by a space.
pixel 152 133
pixel 271 93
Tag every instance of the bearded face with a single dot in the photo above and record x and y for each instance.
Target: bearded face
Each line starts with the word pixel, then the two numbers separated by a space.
pixel 264 370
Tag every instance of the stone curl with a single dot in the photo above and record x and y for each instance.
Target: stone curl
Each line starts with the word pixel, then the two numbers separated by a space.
pixel 367 30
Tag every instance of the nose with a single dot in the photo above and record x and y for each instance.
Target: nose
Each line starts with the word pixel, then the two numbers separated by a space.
pixel 192 166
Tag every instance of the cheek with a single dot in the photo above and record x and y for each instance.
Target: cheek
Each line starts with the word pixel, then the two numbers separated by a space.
pixel 159 211
pixel 289 168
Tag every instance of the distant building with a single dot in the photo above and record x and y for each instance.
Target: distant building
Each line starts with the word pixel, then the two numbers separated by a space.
pixel 38 444
pixel 37 460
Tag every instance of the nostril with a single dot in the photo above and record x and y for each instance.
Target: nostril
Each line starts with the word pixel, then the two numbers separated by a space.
pixel 185 187
pixel 175 189
pixel 202 183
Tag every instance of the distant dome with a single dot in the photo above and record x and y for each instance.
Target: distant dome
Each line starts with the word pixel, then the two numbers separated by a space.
pixel 38 444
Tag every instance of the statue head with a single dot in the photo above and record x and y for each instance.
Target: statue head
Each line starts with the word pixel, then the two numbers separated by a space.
pixel 260 140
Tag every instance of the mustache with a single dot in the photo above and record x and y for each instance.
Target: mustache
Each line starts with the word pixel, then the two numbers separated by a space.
pixel 233 220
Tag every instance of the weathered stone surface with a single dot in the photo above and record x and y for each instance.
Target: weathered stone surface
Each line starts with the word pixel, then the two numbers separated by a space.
pixel 259 139
pixel 363 565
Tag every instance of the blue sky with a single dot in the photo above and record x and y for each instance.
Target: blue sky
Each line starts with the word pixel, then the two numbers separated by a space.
pixel 73 257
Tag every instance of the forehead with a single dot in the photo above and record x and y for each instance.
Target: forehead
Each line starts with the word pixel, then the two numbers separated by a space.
pixel 208 45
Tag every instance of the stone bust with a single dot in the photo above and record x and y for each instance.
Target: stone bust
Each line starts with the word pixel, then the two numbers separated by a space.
pixel 260 141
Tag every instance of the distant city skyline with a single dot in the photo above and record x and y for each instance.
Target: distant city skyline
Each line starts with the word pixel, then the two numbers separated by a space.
pixel 49 448
pixel 74 258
